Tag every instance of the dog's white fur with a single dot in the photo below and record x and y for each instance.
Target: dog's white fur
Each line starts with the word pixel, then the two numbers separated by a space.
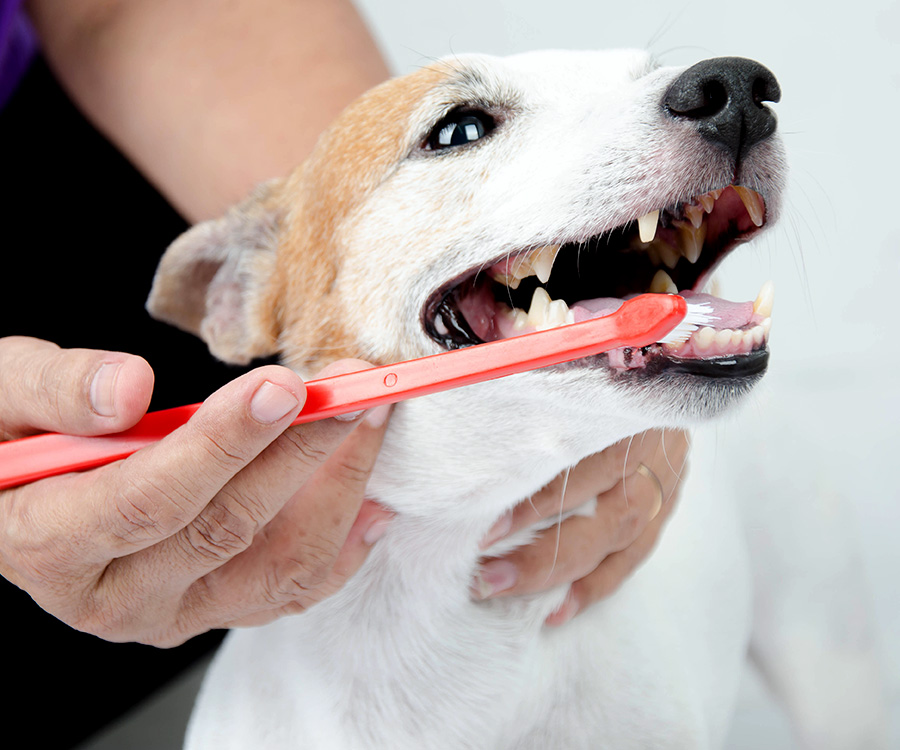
pixel 402 657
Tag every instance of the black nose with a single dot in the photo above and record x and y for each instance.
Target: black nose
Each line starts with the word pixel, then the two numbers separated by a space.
pixel 725 96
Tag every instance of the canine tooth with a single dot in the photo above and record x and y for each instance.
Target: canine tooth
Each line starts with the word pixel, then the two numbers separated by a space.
pixel 662 284
pixel 708 202
pixel 704 338
pixel 542 261
pixel 647 226
pixel 668 254
pixel 694 215
pixel 765 300
pixel 753 202
pixel 537 313
pixel 691 240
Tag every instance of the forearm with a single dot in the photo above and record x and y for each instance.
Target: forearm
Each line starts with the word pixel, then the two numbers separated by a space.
pixel 207 98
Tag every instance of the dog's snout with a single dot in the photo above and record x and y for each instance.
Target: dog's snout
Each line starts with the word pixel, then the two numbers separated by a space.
pixel 725 97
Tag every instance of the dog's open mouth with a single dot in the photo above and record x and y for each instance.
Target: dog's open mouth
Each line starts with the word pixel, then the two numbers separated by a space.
pixel 673 250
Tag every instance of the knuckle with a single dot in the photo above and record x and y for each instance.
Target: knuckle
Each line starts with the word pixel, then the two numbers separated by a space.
pixel 297 443
pixel 220 532
pixel 223 451
pixel 299 577
pixel 631 522
pixel 147 509
pixel 350 473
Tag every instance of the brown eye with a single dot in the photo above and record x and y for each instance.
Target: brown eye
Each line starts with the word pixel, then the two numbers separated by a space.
pixel 459 128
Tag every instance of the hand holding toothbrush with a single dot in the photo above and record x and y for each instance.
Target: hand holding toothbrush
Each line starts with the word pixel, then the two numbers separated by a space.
pixel 164 545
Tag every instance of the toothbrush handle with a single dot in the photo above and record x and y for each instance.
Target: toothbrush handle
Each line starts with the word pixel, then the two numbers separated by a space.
pixel 638 322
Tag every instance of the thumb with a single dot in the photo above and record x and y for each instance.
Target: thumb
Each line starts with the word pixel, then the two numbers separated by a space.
pixel 78 391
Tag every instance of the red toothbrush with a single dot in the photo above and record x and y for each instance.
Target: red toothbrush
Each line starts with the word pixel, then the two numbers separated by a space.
pixel 641 321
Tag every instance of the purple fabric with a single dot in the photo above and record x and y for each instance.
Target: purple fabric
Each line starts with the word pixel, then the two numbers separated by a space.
pixel 17 46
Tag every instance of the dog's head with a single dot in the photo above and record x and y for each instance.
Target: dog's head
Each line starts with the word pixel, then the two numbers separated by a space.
pixel 482 197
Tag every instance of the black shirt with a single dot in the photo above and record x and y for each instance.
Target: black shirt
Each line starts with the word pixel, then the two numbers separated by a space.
pixel 82 233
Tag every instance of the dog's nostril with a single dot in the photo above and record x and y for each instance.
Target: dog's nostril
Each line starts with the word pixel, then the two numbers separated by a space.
pixel 725 98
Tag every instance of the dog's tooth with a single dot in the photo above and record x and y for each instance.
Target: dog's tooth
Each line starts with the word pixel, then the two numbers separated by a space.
pixel 690 240
pixel 558 314
pixel 668 254
pixel 723 338
pixel 765 300
pixel 520 319
pixel 542 261
pixel 704 338
pixel 521 268
pixel 440 326
pixel 506 280
pixel 694 215
pixel 758 333
pixel 749 338
pixel 647 226
pixel 754 204
pixel 708 202
pixel 537 313
pixel 662 283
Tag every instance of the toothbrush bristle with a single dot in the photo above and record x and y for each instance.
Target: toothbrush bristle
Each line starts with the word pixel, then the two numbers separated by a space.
pixel 698 315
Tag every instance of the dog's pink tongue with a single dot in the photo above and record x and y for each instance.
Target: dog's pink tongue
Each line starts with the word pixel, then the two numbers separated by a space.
pixel 726 314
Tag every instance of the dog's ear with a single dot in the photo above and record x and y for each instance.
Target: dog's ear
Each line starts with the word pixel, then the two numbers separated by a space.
pixel 215 280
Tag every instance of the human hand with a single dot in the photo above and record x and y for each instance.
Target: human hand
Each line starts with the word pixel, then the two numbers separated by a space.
pixel 636 483
pixel 233 519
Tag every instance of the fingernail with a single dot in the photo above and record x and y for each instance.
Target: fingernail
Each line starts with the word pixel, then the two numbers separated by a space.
pixel 103 389
pixel 493 577
pixel 376 529
pixel 565 612
pixel 272 402
pixel 498 530
pixel 350 416
pixel 378 416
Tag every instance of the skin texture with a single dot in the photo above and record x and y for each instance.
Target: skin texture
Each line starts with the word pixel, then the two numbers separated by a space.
pixel 234 520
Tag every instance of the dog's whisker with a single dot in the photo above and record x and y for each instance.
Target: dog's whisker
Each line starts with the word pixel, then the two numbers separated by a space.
pixel 559 519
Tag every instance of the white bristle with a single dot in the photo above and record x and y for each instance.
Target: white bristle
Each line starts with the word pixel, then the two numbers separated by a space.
pixel 698 315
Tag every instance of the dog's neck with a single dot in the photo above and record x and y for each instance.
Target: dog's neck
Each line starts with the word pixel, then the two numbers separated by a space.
pixel 410 608
pixel 463 458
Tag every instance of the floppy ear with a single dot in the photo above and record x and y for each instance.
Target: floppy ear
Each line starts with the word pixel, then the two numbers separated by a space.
pixel 215 280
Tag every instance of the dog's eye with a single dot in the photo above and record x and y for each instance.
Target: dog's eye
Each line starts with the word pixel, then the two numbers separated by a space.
pixel 460 127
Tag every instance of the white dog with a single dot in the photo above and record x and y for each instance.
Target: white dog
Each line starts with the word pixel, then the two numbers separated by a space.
pixel 473 200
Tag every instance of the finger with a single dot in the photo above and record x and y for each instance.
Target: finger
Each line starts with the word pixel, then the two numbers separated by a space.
pixel 570 550
pixel 592 476
pixel 77 391
pixel 228 524
pixel 309 550
pixel 136 503
pixel 612 571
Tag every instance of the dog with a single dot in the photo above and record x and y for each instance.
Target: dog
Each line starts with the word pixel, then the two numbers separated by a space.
pixel 475 199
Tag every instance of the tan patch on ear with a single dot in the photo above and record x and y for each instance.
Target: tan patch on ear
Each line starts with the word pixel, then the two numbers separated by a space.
pixel 350 160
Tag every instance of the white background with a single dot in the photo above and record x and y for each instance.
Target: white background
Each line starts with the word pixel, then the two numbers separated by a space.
pixel 835 258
